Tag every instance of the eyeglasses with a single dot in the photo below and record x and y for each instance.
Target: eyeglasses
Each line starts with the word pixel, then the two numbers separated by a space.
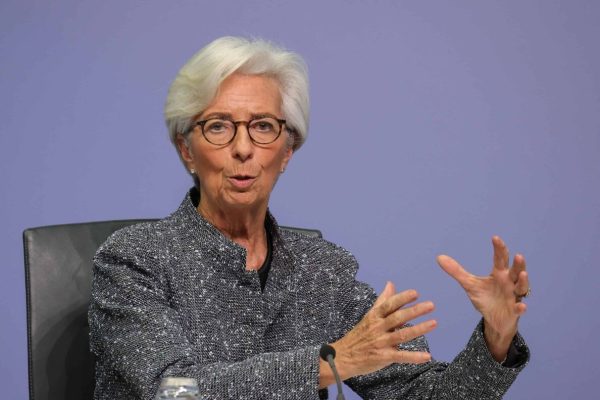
pixel 220 131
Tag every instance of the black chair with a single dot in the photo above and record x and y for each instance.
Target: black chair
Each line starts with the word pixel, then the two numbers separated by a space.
pixel 58 268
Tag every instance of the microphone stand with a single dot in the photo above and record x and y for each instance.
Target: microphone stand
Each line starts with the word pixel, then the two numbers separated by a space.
pixel 327 353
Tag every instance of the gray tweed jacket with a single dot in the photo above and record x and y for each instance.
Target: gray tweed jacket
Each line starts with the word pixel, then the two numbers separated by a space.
pixel 173 298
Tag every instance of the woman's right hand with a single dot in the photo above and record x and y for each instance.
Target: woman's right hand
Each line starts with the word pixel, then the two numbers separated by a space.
pixel 373 343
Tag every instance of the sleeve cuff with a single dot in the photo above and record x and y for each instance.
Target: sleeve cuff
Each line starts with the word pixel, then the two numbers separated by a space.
pixel 518 352
pixel 517 355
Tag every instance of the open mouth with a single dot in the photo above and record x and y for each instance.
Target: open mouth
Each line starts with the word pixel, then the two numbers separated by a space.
pixel 242 177
pixel 242 181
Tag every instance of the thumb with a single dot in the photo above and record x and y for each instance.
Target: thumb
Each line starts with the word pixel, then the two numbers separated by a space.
pixel 454 269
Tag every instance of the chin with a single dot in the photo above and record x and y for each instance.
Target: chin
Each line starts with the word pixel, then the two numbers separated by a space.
pixel 245 200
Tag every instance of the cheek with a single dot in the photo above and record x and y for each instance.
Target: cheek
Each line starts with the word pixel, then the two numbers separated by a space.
pixel 209 170
pixel 275 163
pixel 207 164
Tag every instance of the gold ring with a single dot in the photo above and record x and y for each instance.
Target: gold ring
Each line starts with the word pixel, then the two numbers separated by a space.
pixel 522 296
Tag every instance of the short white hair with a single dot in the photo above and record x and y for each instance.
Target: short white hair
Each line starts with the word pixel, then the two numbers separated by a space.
pixel 196 84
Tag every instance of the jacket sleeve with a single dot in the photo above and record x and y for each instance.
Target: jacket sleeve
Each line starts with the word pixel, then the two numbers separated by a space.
pixel 138 338
pixel 473 374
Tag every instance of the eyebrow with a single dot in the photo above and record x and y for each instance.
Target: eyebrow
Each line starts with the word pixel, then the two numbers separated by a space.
pixel 226 115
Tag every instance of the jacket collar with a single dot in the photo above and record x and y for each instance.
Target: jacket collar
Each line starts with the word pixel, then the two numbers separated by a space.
pixel 208 236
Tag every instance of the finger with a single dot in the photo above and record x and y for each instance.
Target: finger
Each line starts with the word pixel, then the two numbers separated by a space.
pixel 411 357
pixel 395 302
pixel 522 285
pixel 520 308
pixel 395 355
pixel 501 254
pixel 386 293
pixel 403 315
pixel 407 334
pixel 519 265
pixel 454 269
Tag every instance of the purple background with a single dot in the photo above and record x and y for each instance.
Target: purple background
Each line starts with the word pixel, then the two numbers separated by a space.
pixel 434 126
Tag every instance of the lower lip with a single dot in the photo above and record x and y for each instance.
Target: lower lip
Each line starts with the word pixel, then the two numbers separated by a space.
pixel 241 183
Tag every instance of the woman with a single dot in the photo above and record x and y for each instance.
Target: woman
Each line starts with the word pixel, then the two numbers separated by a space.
pixel 216 291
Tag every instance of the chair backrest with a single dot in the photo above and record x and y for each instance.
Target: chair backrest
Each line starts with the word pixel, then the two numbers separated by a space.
pixel 58 269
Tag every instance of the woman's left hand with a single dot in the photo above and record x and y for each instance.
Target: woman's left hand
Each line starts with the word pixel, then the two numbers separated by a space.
pixel 496 296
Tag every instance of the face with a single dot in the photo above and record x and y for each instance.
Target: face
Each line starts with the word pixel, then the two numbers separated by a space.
pixel 242 173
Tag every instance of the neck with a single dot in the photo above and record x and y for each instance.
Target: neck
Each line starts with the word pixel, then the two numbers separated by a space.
pixel 244 227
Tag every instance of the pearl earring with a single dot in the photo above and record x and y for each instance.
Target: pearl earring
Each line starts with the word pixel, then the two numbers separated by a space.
pixel 192 171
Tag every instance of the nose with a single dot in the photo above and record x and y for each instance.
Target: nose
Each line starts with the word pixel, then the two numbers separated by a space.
pixel 242 147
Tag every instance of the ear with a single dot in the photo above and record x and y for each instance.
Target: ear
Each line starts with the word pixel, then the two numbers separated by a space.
pixel 184 151
pixel 286 159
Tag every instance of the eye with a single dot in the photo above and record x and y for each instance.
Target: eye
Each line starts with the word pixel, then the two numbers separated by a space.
pixel 217 126
pixel 265 125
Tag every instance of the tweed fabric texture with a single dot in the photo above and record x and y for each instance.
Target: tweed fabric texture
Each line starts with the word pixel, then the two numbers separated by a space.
pixel 173 298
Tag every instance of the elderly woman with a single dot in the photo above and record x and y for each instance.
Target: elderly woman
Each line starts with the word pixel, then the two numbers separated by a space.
pixel 218 292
